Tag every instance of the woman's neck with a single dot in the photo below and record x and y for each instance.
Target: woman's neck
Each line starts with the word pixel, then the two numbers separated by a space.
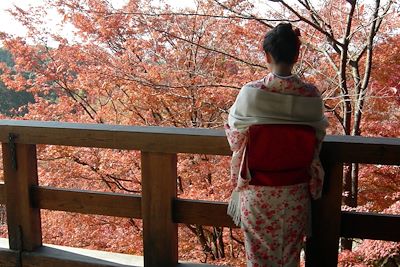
pixel 282 70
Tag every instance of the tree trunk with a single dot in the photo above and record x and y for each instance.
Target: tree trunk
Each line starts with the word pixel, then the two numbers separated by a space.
pixel 211 241
pixel 204 242
pixel 218 231
pixel 350 192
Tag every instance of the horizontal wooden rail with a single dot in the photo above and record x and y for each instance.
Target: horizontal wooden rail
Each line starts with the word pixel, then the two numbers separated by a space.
pixel 353 224
pixel 151 139
pixel 87 202
pixel 183 140
pixel 202 212
pixel 8 258
pixel 358 149
pixel 49 256
pixel 371 226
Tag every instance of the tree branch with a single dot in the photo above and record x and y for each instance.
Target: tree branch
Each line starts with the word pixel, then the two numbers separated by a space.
pixel 334 43
pixel 239 14
pixel 211 49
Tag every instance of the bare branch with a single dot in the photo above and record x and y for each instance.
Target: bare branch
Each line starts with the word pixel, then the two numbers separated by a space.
pixel 337 115
pixel 106 177
pixel 211 49
pixel 239 14
pixel 376 21
pixel 334 43
pixel 194 14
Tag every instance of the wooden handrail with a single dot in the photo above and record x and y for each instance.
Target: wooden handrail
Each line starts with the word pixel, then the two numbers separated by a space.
pixel 354 149
pixel 87 202
pixel 158 205
pixel 368 225
pixel 150 139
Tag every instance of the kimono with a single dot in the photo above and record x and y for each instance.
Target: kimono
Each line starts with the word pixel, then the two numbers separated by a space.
pixel 274 219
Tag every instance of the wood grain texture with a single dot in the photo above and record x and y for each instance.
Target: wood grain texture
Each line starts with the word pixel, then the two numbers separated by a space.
pixel 183 140
pixel 151 139
pixel 8 257
pixel 48 257
pixel 23 220
pixel 323 245
pixel 202 212
pixel 160 233
pixel 2 194
pixel 58 257
pixel 357 149
pixel 87 202
pixel 371 226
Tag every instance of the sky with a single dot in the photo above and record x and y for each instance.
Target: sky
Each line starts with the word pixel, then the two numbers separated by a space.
pixel 9 25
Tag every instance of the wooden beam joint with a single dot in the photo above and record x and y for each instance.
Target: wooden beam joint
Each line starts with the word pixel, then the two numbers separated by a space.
pixel 13 152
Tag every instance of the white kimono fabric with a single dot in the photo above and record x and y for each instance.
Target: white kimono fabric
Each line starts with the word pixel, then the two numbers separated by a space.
pixel 274 218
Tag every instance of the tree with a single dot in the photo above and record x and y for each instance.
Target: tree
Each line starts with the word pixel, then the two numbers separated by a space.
pixel 348 49
pixel 121 77
pixel 12 102
pixel 146 64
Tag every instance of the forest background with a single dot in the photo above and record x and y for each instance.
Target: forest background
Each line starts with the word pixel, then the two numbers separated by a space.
pixel 149 63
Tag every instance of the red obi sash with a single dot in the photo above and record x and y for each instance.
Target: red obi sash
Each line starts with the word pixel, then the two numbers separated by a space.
pixel 279 154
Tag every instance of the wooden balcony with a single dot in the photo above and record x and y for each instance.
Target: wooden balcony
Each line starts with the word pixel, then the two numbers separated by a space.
pixel 158 205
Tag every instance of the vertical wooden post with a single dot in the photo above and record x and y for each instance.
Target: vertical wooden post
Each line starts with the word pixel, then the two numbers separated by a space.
pixel 20 173
pixel 160 233
pixel 322 247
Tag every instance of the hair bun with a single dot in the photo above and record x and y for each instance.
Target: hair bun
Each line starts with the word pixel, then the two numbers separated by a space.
pixel 284 28
pixel 283 43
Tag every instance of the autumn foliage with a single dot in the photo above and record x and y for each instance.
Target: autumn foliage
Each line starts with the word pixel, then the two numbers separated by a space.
pixel 152 65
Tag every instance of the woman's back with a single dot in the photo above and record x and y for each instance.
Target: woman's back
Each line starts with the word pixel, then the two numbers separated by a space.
pixel 290 85
pixel 278 122
pixel 281 154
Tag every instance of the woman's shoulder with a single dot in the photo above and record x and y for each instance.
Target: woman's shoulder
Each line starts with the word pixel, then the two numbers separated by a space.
pixel 311 90
pixel 257 84
pixel 292 86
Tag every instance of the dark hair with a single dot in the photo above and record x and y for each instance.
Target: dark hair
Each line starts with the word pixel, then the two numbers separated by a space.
pixel 282 43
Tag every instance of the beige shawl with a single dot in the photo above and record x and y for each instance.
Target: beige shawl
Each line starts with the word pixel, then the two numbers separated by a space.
pixel 255 106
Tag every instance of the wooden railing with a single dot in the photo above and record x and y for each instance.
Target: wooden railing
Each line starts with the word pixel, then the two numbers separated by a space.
pixel 158 205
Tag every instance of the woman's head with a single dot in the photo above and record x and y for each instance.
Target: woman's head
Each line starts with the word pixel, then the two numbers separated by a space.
pixel 282 43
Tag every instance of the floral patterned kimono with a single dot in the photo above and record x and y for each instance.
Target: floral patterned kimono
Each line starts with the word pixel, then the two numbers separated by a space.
pixel 274 219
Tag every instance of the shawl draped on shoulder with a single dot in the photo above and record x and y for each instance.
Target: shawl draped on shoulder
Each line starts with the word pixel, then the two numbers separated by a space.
pixel 254 106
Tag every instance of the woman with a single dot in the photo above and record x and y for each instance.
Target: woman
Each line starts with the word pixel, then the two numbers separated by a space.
pixel 275 129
